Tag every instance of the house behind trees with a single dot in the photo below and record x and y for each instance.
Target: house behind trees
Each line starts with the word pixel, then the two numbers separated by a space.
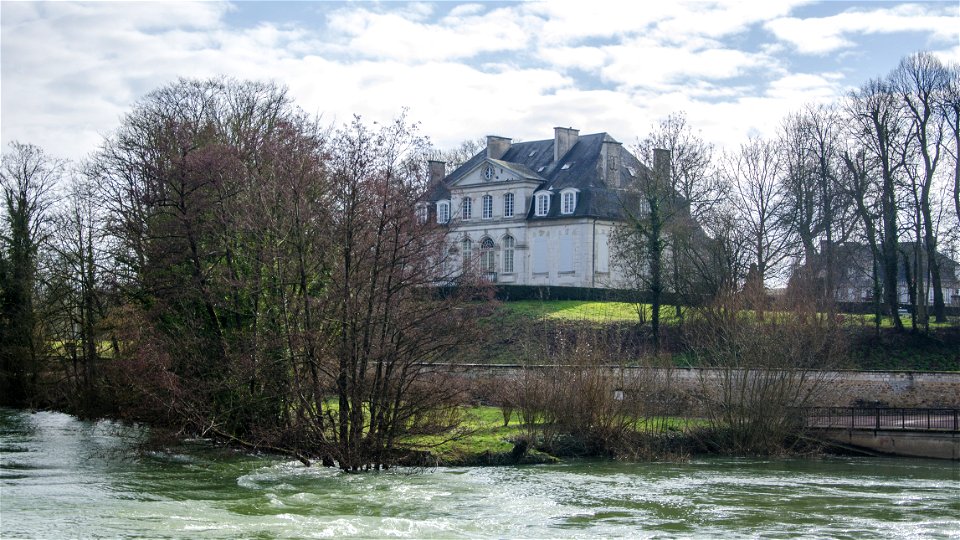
pixel 539 212
pixel 853 267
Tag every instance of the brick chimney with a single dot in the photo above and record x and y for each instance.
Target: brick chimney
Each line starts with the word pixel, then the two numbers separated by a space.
pixel 497 146
pixel 438 170
pixel 563 141
pixel 661 165
pixel 610 161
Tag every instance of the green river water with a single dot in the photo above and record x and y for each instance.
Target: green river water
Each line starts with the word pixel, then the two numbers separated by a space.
pixel 64 478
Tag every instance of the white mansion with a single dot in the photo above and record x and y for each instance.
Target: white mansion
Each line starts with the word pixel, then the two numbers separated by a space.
pixel 538 212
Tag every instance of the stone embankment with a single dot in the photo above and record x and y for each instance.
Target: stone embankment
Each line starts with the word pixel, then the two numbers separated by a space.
pixel 839 388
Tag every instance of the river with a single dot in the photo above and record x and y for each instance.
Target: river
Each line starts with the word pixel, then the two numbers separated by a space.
pixel 65 478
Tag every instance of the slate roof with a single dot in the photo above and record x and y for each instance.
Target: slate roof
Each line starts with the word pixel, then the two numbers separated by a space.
pixel 853 264
pixel 534 159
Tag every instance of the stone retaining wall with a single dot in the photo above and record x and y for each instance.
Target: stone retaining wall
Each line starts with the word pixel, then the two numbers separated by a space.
pixel 840 389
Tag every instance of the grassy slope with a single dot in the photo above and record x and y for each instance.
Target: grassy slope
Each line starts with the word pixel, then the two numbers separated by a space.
pixel 939 351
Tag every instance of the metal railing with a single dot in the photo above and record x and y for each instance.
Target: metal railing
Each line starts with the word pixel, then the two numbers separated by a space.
pixel 882 418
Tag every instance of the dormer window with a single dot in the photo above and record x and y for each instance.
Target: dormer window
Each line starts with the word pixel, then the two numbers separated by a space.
pixel 566 166
pixel 466 212
pixel 443 212
pixel 542 204
pixel 421 213
pixel 568 201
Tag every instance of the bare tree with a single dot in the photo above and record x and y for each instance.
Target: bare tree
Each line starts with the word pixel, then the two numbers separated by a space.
pixel 761 370
pixel 72 277
pixel 642 242
pixel 950 104
pixel 692 190
pixel 816 208
pixel 192 184
pixel 382 325
pixel 877 122
pixel 28 178
pixel 861 184
pixel 920 82
pixel 455 157
pixel 754 171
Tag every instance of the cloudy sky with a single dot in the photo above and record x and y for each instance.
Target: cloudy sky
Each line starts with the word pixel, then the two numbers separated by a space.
pixel 71 70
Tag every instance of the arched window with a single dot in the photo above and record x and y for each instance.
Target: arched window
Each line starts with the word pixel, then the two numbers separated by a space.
pixel 487 256
pixel 467 209
pixel 467 248
pixel 543 204
pixel 443 212
pixel 487 207
pixel 508 243
pixel 508 205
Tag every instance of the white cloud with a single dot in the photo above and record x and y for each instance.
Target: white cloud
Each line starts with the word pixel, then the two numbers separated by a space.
pixel 570 22
pixel 585 58
pixel 948 55
pixel 657 46
pixel 642 63
pixel 821 35
pixel 805 87
pixel 70 71
pixel 721 19
pixel 396 36
pixel 466 9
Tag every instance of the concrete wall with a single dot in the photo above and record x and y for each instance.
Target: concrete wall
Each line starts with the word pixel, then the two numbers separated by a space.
pixel 898 442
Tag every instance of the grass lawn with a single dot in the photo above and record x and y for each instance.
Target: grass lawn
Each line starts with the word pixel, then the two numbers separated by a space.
pixel 483 439
pixel 482 432
pixel 615 312
pixel 581 310
pixel 860 319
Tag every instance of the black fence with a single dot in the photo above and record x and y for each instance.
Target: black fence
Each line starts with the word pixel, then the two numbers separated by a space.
pixel 882 418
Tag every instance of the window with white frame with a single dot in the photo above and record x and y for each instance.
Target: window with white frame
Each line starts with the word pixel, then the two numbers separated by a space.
pixel 508 244
pixel 543 204
pixel 487 207
pixel 421 213
pixel 568 201
pixel 487 256
pixel 466 209
pixel 443 212
pixel 508 205
pixel 466 247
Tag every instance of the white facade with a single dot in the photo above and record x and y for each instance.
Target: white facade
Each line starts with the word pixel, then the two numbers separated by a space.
pixel 538 212
pixel 573 251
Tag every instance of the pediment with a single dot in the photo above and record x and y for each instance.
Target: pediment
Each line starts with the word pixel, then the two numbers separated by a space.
pixel 495 171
